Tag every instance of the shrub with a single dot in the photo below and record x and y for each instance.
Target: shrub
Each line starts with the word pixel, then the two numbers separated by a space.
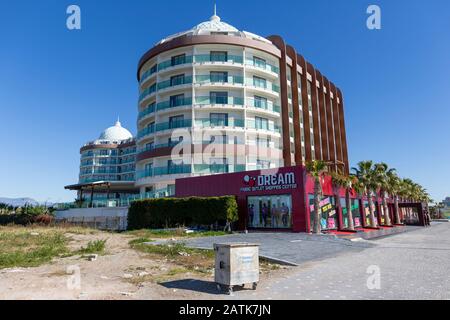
pixel 97 246
pixel 174 212
pixel 44 219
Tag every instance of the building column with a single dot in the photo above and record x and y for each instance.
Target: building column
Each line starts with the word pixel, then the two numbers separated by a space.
pixel 323 119
pixel 331 142
pixel 305 107
pixel 343 132
pixel 279 43
pixel 315 112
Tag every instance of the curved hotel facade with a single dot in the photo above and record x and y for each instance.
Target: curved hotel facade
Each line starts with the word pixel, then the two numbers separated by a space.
pixel 214 99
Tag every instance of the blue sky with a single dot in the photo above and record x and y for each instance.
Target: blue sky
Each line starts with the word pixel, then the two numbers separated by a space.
pixel 61 88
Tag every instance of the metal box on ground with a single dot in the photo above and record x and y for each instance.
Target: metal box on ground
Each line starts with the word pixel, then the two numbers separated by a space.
pixel 236 264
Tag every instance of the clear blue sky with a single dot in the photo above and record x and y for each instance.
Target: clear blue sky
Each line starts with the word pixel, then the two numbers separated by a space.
pixel 61 88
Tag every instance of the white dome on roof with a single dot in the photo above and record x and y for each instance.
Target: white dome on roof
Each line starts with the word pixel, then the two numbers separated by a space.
pixel 115 133
pixel 214 24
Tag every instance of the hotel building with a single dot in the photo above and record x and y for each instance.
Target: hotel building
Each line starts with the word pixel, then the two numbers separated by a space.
pixel 226 101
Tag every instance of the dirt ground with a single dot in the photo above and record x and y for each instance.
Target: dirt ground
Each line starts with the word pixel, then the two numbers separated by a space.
pixel 120 273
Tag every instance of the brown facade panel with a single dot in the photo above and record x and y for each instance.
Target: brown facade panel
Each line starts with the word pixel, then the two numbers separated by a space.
pixel 306 124
pixel 278 41
pixel 295 106
pixel 337 127
pixel 331 142
pixel 323 119
pixel 343 131
pixel 315 111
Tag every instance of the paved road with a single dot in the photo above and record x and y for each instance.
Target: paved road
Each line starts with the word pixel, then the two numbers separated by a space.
pixel 412 265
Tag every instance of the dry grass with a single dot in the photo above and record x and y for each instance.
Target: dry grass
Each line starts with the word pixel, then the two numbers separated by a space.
pixel 34 245
pixel 173 233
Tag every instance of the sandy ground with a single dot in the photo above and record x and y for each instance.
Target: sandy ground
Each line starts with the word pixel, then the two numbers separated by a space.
pixel 121 273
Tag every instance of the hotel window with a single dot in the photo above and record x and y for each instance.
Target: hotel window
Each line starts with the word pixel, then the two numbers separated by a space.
pixel 151 126
pixel 153 69
pixel 148 168
pixel 219 33
pixel 177 80
pixel 180 59
pixel 176 121
pixel 262 164
pixel 219 139
pixel 149 146
pixel 218 97
pixel 218 76
pixel 263 142
pixel 218 119
pixel 218 165
pixel 260 102
pixel 258 62
pixel 218 56
pixel 175 142
pixel 261 123
pixel 177 100
pixel 259 82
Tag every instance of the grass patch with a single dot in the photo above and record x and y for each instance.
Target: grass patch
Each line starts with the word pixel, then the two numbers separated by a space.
pixel 173 233
pixel 30 247
pixel 96 246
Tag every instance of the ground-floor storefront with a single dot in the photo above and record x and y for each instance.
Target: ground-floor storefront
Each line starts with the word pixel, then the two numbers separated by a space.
pixel 283 199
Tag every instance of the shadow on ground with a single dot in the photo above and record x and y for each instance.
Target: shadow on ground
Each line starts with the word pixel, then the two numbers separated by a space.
pixel 199 286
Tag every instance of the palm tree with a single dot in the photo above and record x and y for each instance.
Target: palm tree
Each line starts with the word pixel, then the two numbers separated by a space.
pixel 317 169
pixel 394 185
pixel 382 173
pixel 365 174
pixel 341 181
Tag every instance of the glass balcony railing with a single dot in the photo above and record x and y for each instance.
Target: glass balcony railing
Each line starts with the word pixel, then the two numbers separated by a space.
pixel 150 90
pixel 217 168
pixel 174 62
pixel 148 110
pixel 173 124
pixel 219 100
pixel 203 58
pixel 262 65
pixel 173 104
pixel 147 74
pixel 159 146
pixel 263 104
pixel 252 124
pixel 262 84
pixel 174 82
pixel 146 131
pixel 205 123
pixel 159 171
pixel 207 78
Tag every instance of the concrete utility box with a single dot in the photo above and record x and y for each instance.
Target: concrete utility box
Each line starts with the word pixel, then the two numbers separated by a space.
pixel 236 264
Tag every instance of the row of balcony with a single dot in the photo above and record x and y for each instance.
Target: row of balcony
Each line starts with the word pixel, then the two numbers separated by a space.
pixel 207 100
pixel 207 123
pixel 185 169
pixel 153 147
pixel 91 179
pixel 208 79
pixel 208 58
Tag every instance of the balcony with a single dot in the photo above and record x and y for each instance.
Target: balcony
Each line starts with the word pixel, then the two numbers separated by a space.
pixel 147 92
pixel 174 62
pixel 214 79
pixel 173 104
pixel 217 168
pixel 148 110
pixel 159 171
pixel 262 65
pixel 252 124
pixel 146 131
pixel 263 104
pixel 174 124
pixel 265 85
pixel 207 100
pixel 159 146
pixel 174 82
pixel 211 58
pixel 231 123
pixel 147 74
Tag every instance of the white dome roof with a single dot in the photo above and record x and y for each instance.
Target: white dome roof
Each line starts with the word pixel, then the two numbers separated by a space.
pixel 116 133
pixel 214 24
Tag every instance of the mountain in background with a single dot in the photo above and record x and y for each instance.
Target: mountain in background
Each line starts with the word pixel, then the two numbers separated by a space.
pixel 19 202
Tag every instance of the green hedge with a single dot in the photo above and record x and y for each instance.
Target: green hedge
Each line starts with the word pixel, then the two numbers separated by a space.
pixel 174 212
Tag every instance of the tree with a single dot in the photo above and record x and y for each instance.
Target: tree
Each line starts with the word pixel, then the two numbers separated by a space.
pixel 341 181
pixel 381 176
pixel 317 170
pixel 366 176
pixel 394 185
